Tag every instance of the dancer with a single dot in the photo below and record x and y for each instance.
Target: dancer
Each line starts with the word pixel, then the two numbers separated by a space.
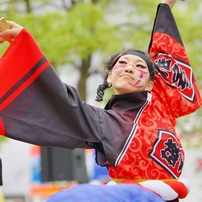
pixel 134 136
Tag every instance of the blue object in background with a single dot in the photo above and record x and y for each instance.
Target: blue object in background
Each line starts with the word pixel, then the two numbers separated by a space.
pixel 94 171
pixel 110 193
pixel 35 156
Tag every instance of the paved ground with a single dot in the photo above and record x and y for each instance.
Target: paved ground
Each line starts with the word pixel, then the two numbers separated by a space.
pixel 193 173
pixel 15 200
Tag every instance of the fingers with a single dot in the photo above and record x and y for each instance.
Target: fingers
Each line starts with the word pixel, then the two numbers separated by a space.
pixel 170 3
pixel 14 30
pixel 1 39
pixel 11 33
pixel 5 37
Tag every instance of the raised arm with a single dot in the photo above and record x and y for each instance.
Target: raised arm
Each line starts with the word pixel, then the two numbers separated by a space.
pixel 171 3
pixel 174 72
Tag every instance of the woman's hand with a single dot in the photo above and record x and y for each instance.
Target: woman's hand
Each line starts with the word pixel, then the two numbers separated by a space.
pixel 10 34
pixel 171 3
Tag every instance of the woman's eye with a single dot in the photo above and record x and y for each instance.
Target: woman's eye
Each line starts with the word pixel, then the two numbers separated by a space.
pixel 141 66
pixel 121 62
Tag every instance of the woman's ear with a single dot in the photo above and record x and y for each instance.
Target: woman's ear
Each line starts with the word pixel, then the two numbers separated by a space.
pixel 149 86
pixel 109 78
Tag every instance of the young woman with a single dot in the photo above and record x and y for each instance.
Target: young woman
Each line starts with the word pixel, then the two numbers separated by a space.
pixel 134 136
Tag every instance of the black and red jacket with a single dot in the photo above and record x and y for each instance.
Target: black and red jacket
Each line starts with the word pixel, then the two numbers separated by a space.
pixel 134 136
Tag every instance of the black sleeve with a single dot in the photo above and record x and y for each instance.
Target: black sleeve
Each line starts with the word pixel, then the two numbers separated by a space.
pixel 38 108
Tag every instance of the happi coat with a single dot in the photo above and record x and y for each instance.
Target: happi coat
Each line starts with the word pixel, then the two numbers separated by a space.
pixel 134 136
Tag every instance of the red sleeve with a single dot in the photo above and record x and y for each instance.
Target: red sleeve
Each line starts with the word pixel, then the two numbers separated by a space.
pixel 174 79
pixel 20 66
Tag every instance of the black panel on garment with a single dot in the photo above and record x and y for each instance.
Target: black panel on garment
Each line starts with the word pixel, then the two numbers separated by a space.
pixel 99 147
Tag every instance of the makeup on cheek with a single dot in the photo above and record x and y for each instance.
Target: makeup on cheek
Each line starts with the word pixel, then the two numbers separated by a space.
pixel 140 75
pixel 122 66
pixel 119 66
pixel 140 82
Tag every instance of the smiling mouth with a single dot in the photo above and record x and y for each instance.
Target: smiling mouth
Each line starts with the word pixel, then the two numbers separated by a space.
pixel 127 76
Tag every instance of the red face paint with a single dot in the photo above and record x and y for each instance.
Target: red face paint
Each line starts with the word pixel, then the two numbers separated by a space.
pixel 116 67
pixel 140 81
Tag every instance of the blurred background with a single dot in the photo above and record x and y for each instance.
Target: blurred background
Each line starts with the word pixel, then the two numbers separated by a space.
pixel 76 36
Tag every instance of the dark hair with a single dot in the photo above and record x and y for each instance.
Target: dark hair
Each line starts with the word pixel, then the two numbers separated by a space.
pixel 108 66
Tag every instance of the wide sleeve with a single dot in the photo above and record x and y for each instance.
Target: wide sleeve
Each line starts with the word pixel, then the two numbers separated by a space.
pixel 36 106
pixel 175 81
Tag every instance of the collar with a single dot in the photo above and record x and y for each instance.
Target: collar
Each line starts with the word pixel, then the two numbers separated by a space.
pixel 127 102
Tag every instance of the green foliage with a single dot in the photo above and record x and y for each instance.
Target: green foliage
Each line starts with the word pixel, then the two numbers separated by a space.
pixel 78 33
pixel 2 139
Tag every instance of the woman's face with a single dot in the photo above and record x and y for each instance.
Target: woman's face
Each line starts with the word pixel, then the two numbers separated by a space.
pixel 130 74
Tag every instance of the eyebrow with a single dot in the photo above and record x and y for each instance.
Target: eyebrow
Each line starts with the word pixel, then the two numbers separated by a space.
pixel 138 60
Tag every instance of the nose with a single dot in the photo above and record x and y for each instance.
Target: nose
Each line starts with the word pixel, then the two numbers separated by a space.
pixel 129 68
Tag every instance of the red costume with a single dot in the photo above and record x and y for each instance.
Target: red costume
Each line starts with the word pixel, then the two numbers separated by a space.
pixel 134 136
pixel 153 149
